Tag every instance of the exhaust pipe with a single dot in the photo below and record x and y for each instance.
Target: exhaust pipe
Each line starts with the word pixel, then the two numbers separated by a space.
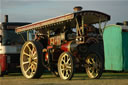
pixel 125 23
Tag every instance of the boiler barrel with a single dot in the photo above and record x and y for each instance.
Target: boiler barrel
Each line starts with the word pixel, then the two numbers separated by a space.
pixel 70 46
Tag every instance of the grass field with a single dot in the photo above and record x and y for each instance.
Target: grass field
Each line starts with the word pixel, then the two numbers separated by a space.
pixel 78 79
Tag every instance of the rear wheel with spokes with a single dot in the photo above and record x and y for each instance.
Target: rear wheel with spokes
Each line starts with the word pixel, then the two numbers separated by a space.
pixel 65 66
pixel 30 59
pixel 95 64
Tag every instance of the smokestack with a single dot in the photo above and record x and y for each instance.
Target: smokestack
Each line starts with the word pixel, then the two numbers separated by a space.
pixel 6 18
pixel 77 8
pixel 125 23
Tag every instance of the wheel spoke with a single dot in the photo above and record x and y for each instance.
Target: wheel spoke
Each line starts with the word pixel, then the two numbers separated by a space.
pixel 34 58
pixel 68 67
pixel 67 73
pixel 34 51
pixel 33 67
pixel 26 62
pixel 68 61
pixel 34 55
pixel 93 60
pixel 34 62
pixel 32 71
pixel 88 61
pixel 30 50
pixel 63 72
pixel 95 73
pixel 63 61
pixel 28 69
pixel 62 67
pixel 26 54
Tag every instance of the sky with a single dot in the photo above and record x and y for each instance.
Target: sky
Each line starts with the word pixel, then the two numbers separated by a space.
pixel 37 10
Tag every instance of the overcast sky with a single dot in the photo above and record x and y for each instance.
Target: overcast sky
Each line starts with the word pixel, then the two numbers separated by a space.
pixel 37 10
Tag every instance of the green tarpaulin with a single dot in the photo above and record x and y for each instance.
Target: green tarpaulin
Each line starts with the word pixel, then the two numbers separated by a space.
pixel 125 50
pixel 116 48
pixel 112 37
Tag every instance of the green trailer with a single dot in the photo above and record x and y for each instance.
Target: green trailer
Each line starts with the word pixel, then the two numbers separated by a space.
pixel 115 39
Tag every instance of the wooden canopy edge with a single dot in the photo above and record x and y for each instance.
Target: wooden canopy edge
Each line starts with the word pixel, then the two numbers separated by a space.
pixel 66 17
pixel 45 23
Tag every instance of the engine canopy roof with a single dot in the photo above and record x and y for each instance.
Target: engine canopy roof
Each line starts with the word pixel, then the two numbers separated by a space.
pixel 90 17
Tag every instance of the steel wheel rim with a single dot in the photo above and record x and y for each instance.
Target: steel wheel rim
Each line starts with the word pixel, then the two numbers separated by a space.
pixel 94 67
pixel 29 60
pixel 65 66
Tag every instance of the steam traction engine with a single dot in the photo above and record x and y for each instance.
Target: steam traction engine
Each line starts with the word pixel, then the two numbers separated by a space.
pixel 64 43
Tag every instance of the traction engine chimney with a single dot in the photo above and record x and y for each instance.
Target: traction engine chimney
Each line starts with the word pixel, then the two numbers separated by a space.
pixel 77 8
pixel 6 18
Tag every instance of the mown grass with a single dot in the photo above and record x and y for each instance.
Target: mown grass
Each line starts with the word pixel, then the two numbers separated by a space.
pixel 81 76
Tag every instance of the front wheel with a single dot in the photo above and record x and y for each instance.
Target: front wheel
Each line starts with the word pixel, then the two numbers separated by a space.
pixel 65 66
pixel 30 59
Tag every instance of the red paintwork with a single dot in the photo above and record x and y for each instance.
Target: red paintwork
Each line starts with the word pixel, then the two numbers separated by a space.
pixel 48 41
pixel 3 63
pixel 65 47
pixel 56 40
pixel 46 57
pixel 49 47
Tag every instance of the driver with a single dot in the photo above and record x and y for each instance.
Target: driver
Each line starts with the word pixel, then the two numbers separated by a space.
pixel 42 39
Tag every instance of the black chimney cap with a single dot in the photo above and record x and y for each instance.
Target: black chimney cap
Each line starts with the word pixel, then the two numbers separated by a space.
pixel 77 8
